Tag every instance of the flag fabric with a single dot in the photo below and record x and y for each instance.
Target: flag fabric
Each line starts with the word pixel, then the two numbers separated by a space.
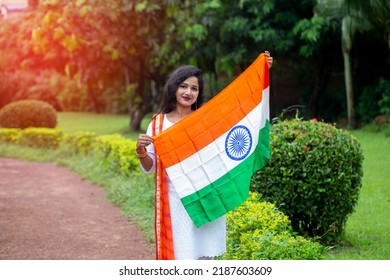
pixel 211 155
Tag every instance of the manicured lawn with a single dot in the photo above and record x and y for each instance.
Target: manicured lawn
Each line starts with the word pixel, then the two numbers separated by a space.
pixel 367 235
pixel 71 122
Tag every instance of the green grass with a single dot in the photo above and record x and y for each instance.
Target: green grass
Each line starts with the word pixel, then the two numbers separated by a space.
pixel 367 234
pixel 71 122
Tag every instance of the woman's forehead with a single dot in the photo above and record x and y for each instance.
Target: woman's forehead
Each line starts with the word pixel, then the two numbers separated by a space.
pixel 193 81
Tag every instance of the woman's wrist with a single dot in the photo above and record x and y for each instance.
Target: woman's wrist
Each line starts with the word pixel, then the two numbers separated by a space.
pixel 140 150
pixel 143 154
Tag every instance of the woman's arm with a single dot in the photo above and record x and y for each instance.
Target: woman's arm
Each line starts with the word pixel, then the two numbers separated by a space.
pixel 144 154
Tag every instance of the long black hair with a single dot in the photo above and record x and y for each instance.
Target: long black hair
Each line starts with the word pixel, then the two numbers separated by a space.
pixel 180 74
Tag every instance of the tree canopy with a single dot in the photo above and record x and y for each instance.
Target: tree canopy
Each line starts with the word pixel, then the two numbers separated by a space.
pixel 121 51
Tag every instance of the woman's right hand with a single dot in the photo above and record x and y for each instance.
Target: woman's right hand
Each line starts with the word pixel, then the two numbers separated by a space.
pixel 143 141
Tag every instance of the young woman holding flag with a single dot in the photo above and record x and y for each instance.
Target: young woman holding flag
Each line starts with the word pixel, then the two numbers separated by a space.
pixel 177 237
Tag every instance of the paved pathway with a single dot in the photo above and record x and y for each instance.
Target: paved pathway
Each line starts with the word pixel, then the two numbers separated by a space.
pixel 49 213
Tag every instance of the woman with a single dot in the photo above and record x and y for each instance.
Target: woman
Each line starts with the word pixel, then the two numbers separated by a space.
pixel 176 235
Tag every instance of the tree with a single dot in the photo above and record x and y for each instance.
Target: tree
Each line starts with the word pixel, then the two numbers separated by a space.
pixel 354 16
pixel 33 3
pixel 377 12
pixel 98 43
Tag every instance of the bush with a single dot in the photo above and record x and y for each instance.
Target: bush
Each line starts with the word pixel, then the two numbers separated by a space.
pixel 384 102
pixel 313 176
pixel 117 153
pixel 368 106
pixel 28 113
pixel 40 137
pixel 9 135
pixel 259 231
pixel 80 142
pixel 112 152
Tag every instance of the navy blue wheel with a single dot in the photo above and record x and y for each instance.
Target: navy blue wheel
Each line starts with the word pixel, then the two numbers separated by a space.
pixel 238 142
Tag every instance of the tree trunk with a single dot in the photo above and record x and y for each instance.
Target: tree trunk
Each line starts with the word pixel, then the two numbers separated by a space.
pixel 137 110
pixel 346 47
pixel 93 98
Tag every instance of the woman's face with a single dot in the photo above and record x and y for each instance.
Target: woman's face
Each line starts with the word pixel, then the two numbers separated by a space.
pixel 187 92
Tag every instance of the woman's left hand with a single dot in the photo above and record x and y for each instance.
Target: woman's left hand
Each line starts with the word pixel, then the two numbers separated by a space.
pixel 270 58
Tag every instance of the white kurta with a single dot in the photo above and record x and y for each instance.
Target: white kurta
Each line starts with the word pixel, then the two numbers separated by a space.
pixel 190 242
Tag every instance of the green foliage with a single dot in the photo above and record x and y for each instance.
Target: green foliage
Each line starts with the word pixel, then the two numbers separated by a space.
pixel 313 176
pixel 13 84
pixel 70 93
pixel 40 137
pixel 374 100
pixel 80 142
pixel 310 31
pixel 9 135
pixel 384 102
pixel 257 230
pixel 117 153
pixel 116 99
pixel 43 87
pixel 113 152
pixel 28 113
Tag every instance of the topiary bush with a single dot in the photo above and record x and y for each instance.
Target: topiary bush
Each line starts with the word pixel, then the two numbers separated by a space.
pixel 40 137
pixel 117 153
pixel 9 135
pixel 257 230
pixel 110 151
pixel 313 176
pixel 79 142
pixel 28 113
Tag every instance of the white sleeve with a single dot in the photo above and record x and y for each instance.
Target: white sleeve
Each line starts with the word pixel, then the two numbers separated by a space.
pixel 151 152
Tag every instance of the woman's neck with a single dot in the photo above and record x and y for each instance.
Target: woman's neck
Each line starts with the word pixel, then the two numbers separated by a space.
pixel 178 114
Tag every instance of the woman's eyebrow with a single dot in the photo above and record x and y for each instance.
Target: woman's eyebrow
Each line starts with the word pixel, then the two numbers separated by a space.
pixel 187 84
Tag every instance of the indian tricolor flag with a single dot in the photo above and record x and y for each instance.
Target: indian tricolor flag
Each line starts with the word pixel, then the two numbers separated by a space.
pixel 211 155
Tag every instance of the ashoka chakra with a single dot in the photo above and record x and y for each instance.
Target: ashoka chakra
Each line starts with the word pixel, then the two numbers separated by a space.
pixel 238 142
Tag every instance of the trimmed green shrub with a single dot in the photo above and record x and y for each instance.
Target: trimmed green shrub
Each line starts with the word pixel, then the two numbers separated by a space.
pixel 9 135
pixel 80 142
pixel 110 151
pixel 117 153
pixel 28 113
pixel 313 176
pixel 257 230
pixel 40 137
